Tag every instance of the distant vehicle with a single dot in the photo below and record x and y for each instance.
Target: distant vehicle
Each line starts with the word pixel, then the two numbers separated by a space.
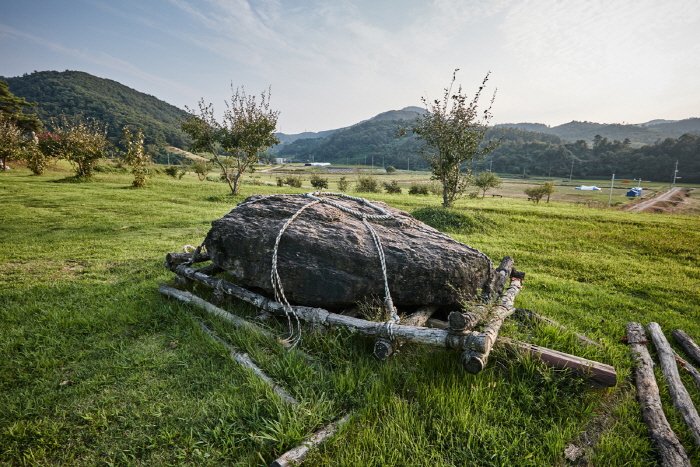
pixel 585 187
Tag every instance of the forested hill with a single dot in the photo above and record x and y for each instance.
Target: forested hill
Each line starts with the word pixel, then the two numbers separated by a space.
pixel 645 133
pixel 78 93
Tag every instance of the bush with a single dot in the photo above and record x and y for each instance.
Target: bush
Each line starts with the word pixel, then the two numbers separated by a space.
pixel 390 169
pixel 319 182
pixel 418 189
pixel 280 182
pixel 343 184
pixel 367 184
pixel 175 171
pixel 392 187
pixel 201 168
pixel 293 180
pixel 435 188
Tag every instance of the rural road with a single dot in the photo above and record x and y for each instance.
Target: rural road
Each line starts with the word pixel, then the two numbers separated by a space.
pixel 666 196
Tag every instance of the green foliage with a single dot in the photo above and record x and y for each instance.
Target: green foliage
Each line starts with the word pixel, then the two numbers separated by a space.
pixel 37 161
pixel 247 129
pixel 485 181
pixel 201 168
pixel 343 184
pixel 318 182
pixel 294 181
pixel 392 187
pixel 136 157
pixel 453 133
pixel 418 189
pixel 390 169
pixel 81 142
pixel 81 95
pixel 175 171
pixel 12 108
pixel 536 193
pixel 367 184
pixel 11 142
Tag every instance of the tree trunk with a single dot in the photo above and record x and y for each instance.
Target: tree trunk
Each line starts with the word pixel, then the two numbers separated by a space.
pixel 688 345
pixel 679 395
pixel 689 368
pixel 669 449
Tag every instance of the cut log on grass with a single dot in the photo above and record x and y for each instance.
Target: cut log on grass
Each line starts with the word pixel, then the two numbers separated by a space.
pixel 688 345
pixel 671 452
pixel 532 316
pixel 175 259
pixel 694 373
pixel 245 361
pixel 474 358
pixel 297 455
pixel 679 395
pixel 599 374
pixel 319 316
pixel 384 348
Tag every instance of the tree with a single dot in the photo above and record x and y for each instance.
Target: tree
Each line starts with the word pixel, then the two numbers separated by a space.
pixel 136 156
pixel 11 143
pixel 82 143
pixel 536 193
pixel 390 169
pixel 12 106
pixel 247 128
pixel 453 132
pixel 319 182
pixel 485 181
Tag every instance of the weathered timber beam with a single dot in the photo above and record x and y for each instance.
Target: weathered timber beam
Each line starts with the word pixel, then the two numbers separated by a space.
pixel 671 452
pixel 600 374
pixel 319 316
pixel 688 345
pixel 679 395
pixel 244 360
pixel 474 359
pixel 532 316
pixel 694 373
pixel 176 259
pixel 297 455
pixel 500 280
pixel 384 348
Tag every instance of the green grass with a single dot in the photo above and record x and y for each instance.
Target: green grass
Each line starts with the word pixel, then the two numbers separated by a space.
pixel 99 369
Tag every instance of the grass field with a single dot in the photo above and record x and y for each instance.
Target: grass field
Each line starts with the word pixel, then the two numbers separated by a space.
pixel 98 368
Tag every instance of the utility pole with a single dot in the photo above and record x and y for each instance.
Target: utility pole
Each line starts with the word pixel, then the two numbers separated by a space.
pixel 612 182
pixel 408 164
pixel 675 173
pixel 572 170
pixel 490 165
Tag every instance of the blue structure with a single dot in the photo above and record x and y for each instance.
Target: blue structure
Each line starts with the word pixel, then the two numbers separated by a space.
pixel 634 193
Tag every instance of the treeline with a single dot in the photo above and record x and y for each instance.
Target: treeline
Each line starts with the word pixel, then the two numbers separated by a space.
pixel 79 94
pixel 603 158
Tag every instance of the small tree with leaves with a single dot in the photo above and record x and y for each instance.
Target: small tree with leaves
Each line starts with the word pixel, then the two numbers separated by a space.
pixel 247 129
pixel 486 181
pixel 453 131
pixel 136 156
pixel 11 142
pixel 82 143
pixel 536 193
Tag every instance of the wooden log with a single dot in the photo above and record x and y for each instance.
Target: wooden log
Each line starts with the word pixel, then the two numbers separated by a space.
pixel 437 324
pixel 297 455
pixel 599 374
pixel 688 345
pixel 532 316
pixel 319 316
pixel 175 259
pixel 694 373
pixel 244 360
pixel 384 348
pixel 474 359
pixel 669 449
pixel 503 273
pixel 679 395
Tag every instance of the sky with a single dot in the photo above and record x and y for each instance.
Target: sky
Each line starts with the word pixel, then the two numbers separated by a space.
pixel 333 63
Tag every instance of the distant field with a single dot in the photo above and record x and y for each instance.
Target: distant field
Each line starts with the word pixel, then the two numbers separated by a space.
pixel 99 369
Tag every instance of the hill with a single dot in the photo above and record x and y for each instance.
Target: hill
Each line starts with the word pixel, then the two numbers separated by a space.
pixel 77 93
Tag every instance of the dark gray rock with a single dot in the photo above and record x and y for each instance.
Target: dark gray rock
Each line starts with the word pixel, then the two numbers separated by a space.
pixel 327 257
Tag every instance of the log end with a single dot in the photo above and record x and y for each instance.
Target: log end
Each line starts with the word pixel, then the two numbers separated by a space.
pixel 383 348
pixel 473 362
pixel 457 321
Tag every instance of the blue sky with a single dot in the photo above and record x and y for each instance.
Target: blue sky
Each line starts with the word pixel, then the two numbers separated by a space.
pixel 333 63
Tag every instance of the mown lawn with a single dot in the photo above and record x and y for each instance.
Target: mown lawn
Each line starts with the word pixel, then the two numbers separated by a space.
pixel 98 368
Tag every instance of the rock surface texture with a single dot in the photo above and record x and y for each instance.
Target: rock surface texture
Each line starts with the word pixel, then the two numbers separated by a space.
pixel 328 258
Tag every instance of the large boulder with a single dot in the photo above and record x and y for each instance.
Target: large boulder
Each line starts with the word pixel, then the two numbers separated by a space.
pixel 327 257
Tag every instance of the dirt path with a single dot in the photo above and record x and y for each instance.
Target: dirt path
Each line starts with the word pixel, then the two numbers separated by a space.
pixel 673 195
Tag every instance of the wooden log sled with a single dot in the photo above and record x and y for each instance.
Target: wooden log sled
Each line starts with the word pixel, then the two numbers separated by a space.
pixel 475 346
